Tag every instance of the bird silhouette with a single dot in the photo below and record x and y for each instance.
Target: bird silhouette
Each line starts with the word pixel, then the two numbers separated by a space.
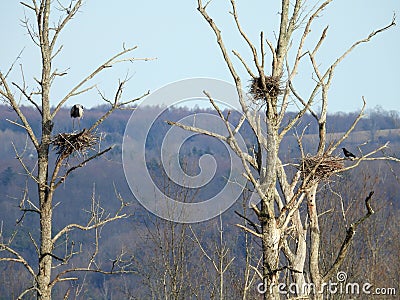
pixel 76 112
pixel 348 154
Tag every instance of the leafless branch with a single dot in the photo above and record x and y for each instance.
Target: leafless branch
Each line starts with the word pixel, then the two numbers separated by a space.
pixel 28 290
pixel 13 64
pixel 109 63
pixel 245 37
pixel 202 248
pixel 246 66
pixel 366 157
pixel 24 166
pixel 6 92
pixel 365 40
pixel 70 227
pixel 116 103
pixel 351 128
pixel 202 9
pixel 18 258
pixel 83 163
pixel 70 14
pixel 249 230
pixel 306 107
pixel 28 97
pixel 27 5
pixel 348 239
pixel 252 224
pixel 59 277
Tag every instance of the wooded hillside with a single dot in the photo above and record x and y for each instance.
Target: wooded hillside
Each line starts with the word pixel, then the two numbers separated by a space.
pixel 169 258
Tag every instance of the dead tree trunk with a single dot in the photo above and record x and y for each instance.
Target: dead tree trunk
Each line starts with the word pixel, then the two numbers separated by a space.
pixel 314 242
pixel 270 232
pixel 278 212
pixel 45 191
pixel 44 33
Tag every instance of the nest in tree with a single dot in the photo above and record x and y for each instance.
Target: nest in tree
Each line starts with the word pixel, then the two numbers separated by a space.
pixel 320 167
pixel 67 143
pixel 272 87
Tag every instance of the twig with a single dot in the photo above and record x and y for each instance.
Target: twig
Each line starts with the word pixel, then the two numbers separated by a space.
pixel 249 230
pixel 254 225
pixel 81 165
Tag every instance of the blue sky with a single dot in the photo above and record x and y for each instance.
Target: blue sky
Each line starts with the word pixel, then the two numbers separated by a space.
pixel 176 34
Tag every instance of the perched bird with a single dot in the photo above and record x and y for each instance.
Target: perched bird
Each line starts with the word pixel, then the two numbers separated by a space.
pixel 76 112
pixel 347 153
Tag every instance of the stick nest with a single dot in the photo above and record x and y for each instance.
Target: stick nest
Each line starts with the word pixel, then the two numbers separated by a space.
pixel 67 143
pixel 272 85
pixel 322 167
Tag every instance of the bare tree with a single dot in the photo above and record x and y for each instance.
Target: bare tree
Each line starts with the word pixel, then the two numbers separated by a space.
pixel 168 263
pixel 220 261
pixel 373 249
pixel 252 260
pixel 284 187
pixel 50 20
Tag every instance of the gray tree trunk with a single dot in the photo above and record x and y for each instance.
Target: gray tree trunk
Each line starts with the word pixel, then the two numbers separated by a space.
pixel 45 189
pixel 315 242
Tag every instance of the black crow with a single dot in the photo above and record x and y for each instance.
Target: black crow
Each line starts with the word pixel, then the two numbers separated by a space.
pixel 348 153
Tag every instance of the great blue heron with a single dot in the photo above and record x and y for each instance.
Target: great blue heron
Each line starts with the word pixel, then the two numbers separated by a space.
pixel 347 153
pixel 76 112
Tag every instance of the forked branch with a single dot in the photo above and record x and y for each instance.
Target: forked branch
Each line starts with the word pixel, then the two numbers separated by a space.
pixel 348 239
pixel 17 258
pixel 108 64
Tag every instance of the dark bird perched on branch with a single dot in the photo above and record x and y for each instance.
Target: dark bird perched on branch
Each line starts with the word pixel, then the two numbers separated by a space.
pixel 76 112
pixel 348 154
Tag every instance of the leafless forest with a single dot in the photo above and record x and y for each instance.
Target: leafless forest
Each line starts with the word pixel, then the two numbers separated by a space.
pixel 167 260
pixel 325 224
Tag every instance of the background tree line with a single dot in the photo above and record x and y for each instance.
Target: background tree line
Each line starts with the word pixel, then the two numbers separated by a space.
pixel 168 261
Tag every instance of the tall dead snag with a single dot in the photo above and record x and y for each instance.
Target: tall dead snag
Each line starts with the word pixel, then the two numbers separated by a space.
pixel 283 229
pixel 50 19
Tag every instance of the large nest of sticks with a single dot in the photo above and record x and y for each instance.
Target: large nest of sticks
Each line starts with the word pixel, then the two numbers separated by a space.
pixel 67 143
pixel 272 85
pixel 320 167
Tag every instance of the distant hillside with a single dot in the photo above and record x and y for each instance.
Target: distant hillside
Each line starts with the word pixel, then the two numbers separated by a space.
pixel 362 136
pixel 379 127
pixel 105 175
pixel 376 119
pixel 376 129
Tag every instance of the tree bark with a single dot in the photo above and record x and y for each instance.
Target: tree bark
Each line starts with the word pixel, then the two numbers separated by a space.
pixel 270 232
pixel 270 248
pixel 300 256
pixel 46 210
pixel 46 247
pixel 45 191
pixel 316 278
